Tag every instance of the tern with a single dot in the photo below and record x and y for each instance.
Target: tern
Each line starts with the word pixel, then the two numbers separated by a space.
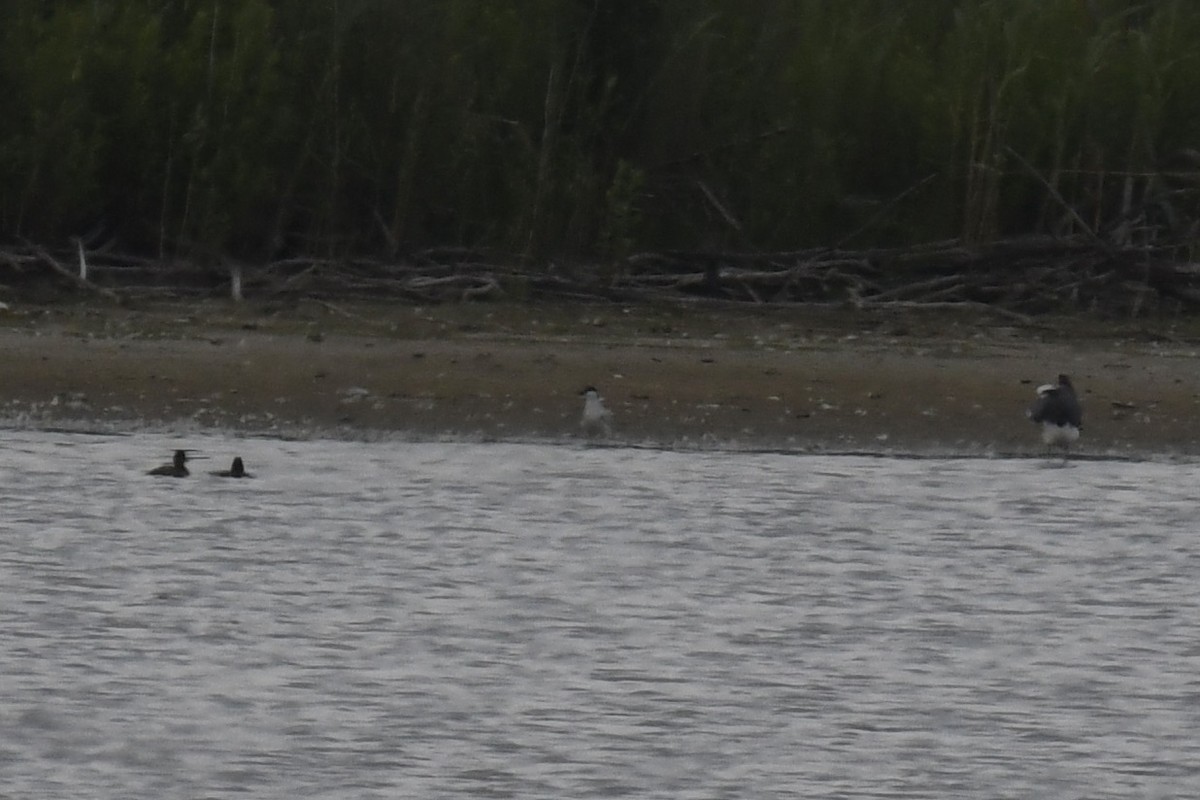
pixel 596 418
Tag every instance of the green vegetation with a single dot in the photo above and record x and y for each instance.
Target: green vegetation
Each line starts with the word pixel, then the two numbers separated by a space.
pixel 590 129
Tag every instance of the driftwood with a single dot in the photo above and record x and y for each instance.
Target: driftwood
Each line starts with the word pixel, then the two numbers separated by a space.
pixel 78 280
pixel 1015 279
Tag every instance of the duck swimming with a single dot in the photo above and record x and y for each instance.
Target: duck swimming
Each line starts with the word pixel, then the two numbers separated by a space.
pixel 236 470
pixel 176 469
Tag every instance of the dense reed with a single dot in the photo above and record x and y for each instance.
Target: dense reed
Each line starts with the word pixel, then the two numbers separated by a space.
pixel 588 129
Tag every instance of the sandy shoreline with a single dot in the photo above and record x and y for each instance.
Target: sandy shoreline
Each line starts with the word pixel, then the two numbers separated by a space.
pixel 708 379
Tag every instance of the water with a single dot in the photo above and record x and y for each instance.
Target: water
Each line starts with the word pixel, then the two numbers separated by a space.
pixel 526 621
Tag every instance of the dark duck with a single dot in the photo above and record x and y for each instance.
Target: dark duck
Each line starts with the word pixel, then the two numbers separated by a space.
pixel 236 470
pixel 176 469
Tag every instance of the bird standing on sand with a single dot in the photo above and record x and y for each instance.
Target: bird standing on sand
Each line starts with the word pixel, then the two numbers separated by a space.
pixel 1058 411
pixel 596 418
pixel 176 469
pixel 236 470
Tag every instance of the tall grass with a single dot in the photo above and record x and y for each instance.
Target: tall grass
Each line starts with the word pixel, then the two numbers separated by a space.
pixel 589 129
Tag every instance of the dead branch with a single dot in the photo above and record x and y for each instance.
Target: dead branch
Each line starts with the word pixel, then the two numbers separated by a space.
pixel 73 278
pixel 1015 278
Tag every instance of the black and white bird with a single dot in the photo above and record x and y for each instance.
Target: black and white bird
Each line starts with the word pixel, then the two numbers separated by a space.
pixel 1058 411
pixel 596 418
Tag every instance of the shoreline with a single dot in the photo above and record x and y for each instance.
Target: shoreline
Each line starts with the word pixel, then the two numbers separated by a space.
pixel 773 382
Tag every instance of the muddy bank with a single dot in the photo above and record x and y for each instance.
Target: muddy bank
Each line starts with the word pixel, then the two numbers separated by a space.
pixel 779 380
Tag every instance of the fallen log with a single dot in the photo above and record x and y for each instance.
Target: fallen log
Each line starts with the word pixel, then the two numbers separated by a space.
pixel 1025 276
pixel 75 279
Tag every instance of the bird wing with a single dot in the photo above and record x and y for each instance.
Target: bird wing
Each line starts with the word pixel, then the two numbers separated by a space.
pixel 1056 407
pixel 1046 407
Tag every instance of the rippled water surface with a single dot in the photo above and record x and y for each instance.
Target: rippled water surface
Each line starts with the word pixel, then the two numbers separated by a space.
pixel 527 621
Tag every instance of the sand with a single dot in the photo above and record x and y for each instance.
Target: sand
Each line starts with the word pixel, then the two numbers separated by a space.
pixel 791 379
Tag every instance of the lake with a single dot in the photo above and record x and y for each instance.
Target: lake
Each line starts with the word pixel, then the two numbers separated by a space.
pixel 465 620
